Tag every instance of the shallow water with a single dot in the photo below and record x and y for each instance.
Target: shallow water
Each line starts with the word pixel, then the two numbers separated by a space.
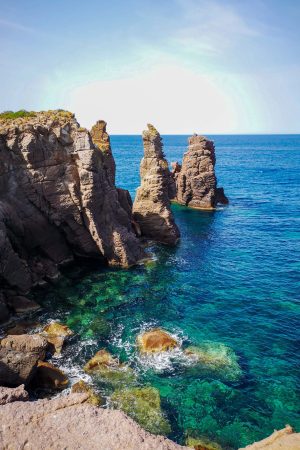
pixel 232 285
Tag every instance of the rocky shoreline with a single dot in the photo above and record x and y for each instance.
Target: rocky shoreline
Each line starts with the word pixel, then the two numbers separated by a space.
pixel 59 203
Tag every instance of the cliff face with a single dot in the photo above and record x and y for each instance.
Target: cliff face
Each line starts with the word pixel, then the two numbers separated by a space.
pixel 151 207
pixel 101 140
pixel 57 200
pixel 196 183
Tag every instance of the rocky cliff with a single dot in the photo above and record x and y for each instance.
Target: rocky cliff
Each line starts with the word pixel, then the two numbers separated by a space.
pixel 196 182
pixel 58 201
pixel 151 208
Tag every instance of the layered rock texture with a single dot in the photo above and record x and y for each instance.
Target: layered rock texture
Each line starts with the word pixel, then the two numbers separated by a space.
pixel 151 208
pixel 196 182
pixel 71 422
pixel 58 200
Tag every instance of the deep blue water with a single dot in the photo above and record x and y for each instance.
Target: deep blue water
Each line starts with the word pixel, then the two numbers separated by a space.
pixel 232 281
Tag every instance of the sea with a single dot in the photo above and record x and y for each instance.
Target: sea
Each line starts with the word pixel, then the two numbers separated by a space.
pixel 229 289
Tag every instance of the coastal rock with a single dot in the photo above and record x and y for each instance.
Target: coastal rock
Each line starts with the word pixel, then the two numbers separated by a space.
pixel 143 405
pixel 9 395
pixel 22 327
pixel 151 207
pixel 19 355
pixel 58 201
pixel 72 423
pixel 156 340
pixel 101 139
pixel 285 439
pixel 216 356
pixel 21 304
pixel 202 444
pixel 196 182
pixel 56 334
pixel 104 366
pixel 82 388
pixel 50 377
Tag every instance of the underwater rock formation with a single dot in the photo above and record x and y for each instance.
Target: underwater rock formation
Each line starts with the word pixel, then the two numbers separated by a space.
pixel 71 422
pixel 151 207
pixel 57 201
pixel 196 182
pixel 142 405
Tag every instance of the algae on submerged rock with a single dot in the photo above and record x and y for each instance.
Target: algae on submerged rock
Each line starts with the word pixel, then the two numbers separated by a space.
pixel 143 405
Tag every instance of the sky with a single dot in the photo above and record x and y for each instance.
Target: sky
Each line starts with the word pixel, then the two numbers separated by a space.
pixel 219 66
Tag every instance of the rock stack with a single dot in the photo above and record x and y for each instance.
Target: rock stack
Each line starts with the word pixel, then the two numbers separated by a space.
pixel 152 208
pixel 196 182
pixel 102 141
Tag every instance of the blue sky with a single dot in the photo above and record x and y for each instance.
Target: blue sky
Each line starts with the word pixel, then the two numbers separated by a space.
pixel 185 65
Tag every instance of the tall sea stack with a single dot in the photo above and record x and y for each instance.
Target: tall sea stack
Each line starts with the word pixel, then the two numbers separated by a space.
pixel 196 182
pixel 152 208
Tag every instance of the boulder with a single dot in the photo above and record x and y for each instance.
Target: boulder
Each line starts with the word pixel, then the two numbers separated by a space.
pixel 143 405
pixel 156 340
pixel 50 377
pixel 56 334
pixel 152 207
pixel 109 370
pixel 9 395
pixel 19 355
pixel 82 388
pixel 22 327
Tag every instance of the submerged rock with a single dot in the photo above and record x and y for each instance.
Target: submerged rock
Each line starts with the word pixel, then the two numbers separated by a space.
pixel 202 444
pixel 19 356
pixel 109 370
pixel 70 422
pixel 143 405
pixel 50 377
pixel 22 327
pixel 196 182
pixel 216 356
pixel 156 340
pixel 151 207
pixel 56 334
pixel 82 388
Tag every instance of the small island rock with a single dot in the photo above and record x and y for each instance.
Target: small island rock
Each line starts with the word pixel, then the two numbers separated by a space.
pixel 156 340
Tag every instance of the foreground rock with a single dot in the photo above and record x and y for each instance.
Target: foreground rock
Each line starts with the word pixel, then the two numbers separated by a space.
pixel 143 405
pixel 102 141
pixel 151 207
pixel 19 356
pixel 156 340
pixel 196 182
pixel 285 439
pixel 58 201
pixel 9 395
pixel 69 422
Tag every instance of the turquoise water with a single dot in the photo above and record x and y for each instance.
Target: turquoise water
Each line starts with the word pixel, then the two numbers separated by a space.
pixel 231 285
